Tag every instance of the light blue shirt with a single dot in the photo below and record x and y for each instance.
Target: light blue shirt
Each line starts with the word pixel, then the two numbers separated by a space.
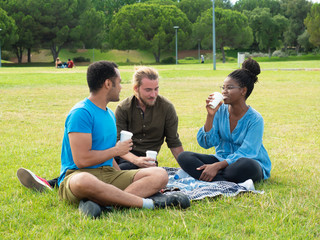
pixel 86 117
pixel 245 141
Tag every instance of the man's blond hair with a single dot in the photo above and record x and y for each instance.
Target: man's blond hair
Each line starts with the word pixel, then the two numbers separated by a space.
pixel 144 72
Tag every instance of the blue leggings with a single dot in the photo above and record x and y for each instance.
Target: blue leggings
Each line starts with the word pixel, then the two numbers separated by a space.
pixel 237 172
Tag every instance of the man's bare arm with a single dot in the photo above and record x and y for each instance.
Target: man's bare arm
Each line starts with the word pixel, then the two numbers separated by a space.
pixel 84 156
pixel 176 151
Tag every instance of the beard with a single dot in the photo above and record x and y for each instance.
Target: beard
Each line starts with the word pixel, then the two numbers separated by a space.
pixel 150 103
pixel 147 102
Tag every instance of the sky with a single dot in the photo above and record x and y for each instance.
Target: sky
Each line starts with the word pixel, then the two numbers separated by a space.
pixel 314 1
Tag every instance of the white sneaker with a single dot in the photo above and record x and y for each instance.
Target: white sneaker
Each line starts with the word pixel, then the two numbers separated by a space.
pixel 30 180
pixel 248 185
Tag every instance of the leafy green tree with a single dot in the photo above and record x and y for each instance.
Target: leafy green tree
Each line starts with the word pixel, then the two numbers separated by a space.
pixel 161 2
pixel 268 29
pixel 111 7
pixel 8 33
pixel 54 24
pixel 27 38
pixel 312 23
pixel 57 21
pixel 93 28
pixel 249 5
pixel 27 30
pixel 149 27
pixel 232 29
pixel 296 11
pixel 193 9
pixel 304 41
pixel 225 4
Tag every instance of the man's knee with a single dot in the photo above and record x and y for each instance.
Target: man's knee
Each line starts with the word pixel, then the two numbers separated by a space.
pixel 82 181
pixel 161 175
pixel 157 173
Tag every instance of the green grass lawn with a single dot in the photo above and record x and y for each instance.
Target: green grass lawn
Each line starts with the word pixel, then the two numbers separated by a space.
pixel 33 106
pixel 43 58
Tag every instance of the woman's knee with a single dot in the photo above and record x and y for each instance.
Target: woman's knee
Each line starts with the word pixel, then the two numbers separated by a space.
pixel 244 169
pixel 249 163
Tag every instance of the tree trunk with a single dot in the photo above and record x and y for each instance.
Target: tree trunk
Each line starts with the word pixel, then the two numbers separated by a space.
pixel 269 50
pixel 297 48
pixel 29 55
pixel 223 54
pixel 19 52
pixel 55 51
pixel 157 57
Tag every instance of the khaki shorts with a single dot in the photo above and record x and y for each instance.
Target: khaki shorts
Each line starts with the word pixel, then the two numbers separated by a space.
pixel 120 179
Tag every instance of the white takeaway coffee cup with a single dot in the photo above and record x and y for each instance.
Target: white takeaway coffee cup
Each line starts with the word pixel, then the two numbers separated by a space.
pixel 125 135
pixel 217 99
pixel 151 154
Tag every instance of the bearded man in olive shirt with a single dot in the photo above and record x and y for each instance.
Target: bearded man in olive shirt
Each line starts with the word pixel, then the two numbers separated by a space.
pixel 150 117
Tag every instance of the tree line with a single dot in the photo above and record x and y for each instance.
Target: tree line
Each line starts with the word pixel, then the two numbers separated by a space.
pixel 265 25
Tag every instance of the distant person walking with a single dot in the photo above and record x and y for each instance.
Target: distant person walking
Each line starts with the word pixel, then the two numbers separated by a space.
pixel 202 59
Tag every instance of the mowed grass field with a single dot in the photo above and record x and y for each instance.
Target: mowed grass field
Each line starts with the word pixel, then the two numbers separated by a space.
pixel 33 106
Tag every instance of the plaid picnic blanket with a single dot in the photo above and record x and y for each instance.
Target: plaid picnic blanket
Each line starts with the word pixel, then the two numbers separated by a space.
pixel 196 189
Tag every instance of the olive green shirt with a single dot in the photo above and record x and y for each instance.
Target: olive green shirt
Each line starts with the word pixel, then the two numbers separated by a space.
pixel 151 127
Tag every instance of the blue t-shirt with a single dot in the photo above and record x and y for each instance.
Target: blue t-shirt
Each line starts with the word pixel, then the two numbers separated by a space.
pixel 86 117
pixel 244 141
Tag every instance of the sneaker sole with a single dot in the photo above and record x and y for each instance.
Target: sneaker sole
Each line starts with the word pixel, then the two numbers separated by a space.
pixel 30 180
pixel 90 209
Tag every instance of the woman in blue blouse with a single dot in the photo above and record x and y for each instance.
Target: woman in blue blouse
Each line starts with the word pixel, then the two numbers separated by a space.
pixel 235 130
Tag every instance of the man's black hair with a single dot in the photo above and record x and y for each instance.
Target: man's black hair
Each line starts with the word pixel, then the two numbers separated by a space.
pixel 99 72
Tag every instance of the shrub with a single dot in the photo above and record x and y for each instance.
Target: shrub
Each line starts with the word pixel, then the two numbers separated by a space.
pixel 256 54
pixel 247 54
pixel 316 51
pixel 209 56
pixel 73 50
pixel 189 58
pixel 292 52
pixel 81 59
pixel 279 53
pixel 168 60
pixel 5 55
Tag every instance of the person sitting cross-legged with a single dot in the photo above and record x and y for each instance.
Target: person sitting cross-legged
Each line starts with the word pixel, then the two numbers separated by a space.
pixel 89 174
pixel 235 130
pixel 150 117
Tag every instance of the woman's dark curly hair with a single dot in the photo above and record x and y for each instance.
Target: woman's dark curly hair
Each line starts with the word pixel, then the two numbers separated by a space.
pixel 247 75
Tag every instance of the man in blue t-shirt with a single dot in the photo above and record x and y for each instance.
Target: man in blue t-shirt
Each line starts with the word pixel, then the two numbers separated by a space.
pixel 89 174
